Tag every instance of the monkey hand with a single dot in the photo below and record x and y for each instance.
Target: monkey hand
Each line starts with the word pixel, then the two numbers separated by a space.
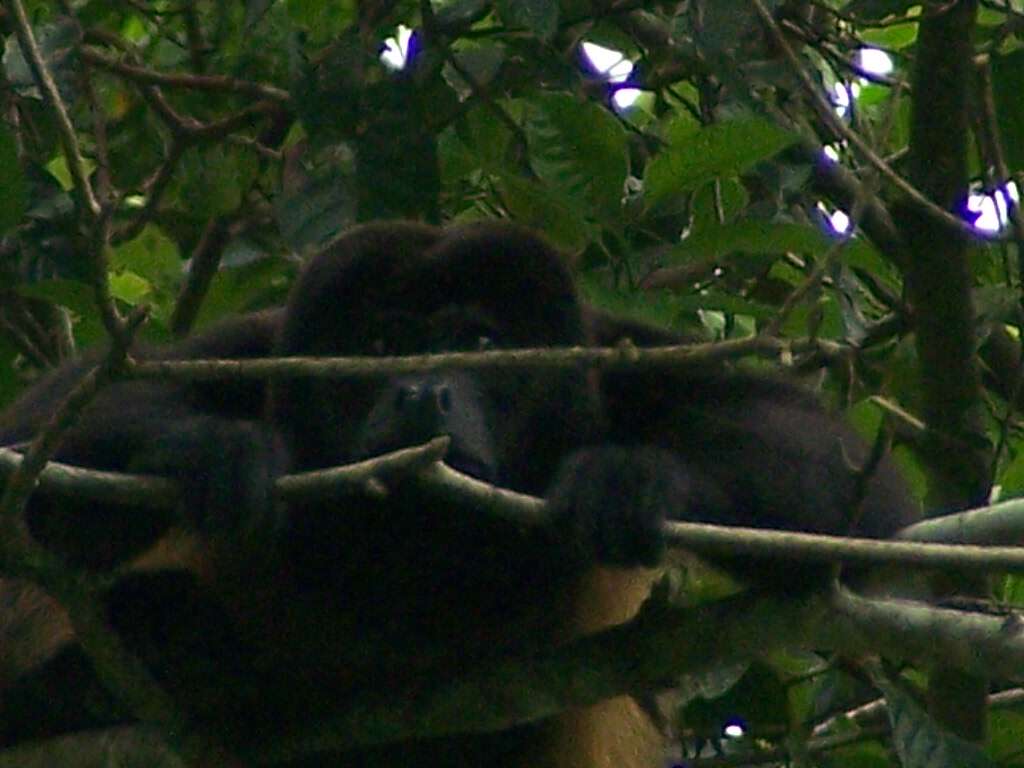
pixel 227 470
pixel 609 503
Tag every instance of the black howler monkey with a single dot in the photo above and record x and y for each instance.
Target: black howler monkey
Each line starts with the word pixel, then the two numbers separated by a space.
pixel 284 614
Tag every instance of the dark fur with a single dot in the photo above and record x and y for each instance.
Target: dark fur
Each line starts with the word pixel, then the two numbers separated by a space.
pixel 283 615
pixel 756 451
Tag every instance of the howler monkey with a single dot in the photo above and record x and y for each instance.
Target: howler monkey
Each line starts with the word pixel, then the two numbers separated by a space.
pixel 284 614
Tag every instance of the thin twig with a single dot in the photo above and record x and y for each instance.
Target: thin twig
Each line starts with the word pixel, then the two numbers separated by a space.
pixel 66 131
pixel 826 113
pixel 214 83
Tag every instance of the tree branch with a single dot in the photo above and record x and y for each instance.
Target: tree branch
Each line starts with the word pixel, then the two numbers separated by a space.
pixel 66 131
pixel 660 644
pixel 1000 523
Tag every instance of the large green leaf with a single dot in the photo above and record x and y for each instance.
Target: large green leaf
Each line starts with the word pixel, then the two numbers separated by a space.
pixel 919 741
pixel 536 206
pixel 695 156
pixel 579 148
pixel 752 236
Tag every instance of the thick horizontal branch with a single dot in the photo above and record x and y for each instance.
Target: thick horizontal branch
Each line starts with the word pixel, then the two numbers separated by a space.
pixel 659 645
pixel 638 656
pixel 730 541
pixel 152 491
pixel 1003 522
pixel 625 355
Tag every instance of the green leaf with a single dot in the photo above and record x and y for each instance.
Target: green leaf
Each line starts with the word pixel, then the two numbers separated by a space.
pixel 1007 76
pixel 538 16
pixel 327 95
pixel 71 294
pixel 13 190
pixel 485 140
pixel 751 236
pixel 878 10
pixel 58 168
pixel 893 38
pixel 711 683
pixel 10 379
pixel 481 63
pixel 696 156
pixel 868 754
pixel 261 282
pixel 1004 736
pixel 314 207
pixel 323 20
pixel 213 180
pixel 724 302
pixel 866 417
pixel 57 43
pixel 1011 591
pixel 129 287
pixel 729 198
pixel 536 206
pixel 580 149
pixel 1011 476
pixel 862 254
pixel 757 696
pixel 151 255
pixel 78 298
pixel 460 13
pixel 997 303
pixel 919 741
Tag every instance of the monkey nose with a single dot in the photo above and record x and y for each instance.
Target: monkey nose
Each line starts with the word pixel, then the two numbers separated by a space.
pixel 423 407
